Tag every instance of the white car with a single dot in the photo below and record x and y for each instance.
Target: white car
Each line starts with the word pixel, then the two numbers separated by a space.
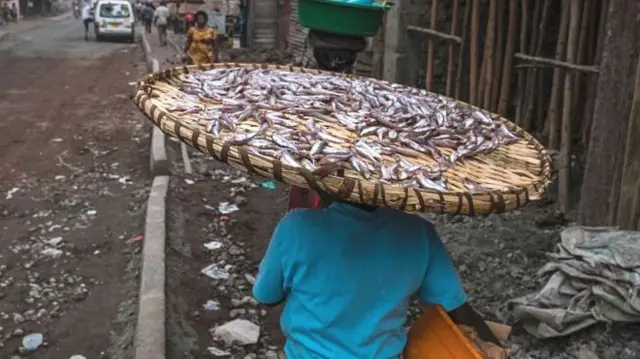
pixel 114 18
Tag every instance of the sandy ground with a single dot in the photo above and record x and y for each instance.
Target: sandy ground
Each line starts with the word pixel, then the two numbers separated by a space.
pixel 73 186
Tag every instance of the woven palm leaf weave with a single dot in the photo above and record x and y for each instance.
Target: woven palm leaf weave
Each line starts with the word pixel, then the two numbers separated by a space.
pixel 511 175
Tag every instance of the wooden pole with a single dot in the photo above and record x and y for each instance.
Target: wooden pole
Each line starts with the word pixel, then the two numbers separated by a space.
pixel 487 64
pixel 593 81
pixel 432 25
pixel 524 27
pixel 473 71
pixel 503 102
pixel 565 144
pixel 614 98
pixel 454 27
pixel 498 58
pixel 628 216
pixel 532 74
pixel 461 51
pixel 554 101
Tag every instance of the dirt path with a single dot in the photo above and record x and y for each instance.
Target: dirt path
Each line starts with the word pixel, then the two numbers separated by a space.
pixel 73 185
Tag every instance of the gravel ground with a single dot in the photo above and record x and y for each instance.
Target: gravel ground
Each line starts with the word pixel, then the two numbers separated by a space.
pixel 73 186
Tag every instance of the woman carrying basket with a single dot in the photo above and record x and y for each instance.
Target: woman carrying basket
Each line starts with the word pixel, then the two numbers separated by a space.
pixel 200 41
pixel 346 274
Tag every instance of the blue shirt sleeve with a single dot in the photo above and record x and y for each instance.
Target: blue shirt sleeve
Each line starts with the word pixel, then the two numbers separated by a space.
pixel 269 286
pixel 441 283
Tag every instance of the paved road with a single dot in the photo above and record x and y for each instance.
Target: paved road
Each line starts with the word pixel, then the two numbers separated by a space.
pixel 73 181
pixel 62 38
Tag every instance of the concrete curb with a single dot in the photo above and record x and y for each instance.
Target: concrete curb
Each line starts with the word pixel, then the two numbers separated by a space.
pixel 150 338
pixel 158 160
pixel 147 50
pixel 185 159
pixel 183 148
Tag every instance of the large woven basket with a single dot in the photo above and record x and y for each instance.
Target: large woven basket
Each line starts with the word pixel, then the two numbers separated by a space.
pixel 522 168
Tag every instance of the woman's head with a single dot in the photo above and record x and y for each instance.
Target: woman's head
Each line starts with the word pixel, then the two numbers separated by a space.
pixel 201 18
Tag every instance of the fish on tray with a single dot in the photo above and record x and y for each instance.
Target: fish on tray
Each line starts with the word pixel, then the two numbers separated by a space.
pixel 305 119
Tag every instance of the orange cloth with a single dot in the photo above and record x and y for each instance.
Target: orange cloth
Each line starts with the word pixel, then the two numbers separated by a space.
pixel 201 48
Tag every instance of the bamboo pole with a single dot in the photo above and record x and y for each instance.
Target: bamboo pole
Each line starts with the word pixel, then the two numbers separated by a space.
pixel 473 56
pixel 593 80
pixel 499 57
pixel 465 35
pixel 565 144
pixel 628 211
pixel 505 87
pixel 454 27
pixel 540 104
pixel 541 17
pixel 524 7
pixel 581 58
pixel 432 24
pixel 487 73
pixel 554 102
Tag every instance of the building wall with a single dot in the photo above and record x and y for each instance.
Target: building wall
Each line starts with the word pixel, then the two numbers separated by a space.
pixel 263 24
pixel 297 40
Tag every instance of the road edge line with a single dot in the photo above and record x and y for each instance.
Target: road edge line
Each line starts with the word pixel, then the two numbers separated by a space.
pixel 150 337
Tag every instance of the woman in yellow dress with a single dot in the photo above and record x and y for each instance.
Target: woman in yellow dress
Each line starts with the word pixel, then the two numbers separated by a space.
pixel 201 39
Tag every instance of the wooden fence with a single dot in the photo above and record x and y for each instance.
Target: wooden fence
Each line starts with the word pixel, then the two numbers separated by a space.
pixel 511 57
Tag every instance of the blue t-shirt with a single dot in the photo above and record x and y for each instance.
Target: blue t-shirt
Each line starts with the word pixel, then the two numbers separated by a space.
pixel 347 276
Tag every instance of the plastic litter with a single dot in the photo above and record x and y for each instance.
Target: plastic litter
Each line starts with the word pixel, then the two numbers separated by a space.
pixel 213 245
pixel 227 207
pixel 214 272
pixel 211 305
pixel 217 352
pixel 32 342
pixel 270 185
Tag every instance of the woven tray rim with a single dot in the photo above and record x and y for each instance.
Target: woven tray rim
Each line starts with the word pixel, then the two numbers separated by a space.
pixel 438 202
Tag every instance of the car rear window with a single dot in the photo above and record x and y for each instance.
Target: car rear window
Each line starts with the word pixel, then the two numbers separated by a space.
pixel 114 11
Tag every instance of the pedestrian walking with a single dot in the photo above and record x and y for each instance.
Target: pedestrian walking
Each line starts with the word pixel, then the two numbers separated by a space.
pixel 87 18
pixel 161 20
pixel 200 46
pixel 14 12
pixel 147 16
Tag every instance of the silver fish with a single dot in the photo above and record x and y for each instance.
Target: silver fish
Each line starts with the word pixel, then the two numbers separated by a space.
pixel 283 142
pixel 427 183
pixel 317 148
pixel 288 160
pixel 329 138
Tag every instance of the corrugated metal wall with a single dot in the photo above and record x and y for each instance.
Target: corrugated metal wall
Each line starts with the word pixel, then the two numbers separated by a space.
pixel 263 24
pixel 302 54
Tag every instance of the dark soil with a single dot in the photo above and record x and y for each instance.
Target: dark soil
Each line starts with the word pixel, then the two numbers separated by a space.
pixel 497 257
pixel 73 187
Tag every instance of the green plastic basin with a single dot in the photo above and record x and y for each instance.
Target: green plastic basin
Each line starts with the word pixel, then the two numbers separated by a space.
pixel 341 18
